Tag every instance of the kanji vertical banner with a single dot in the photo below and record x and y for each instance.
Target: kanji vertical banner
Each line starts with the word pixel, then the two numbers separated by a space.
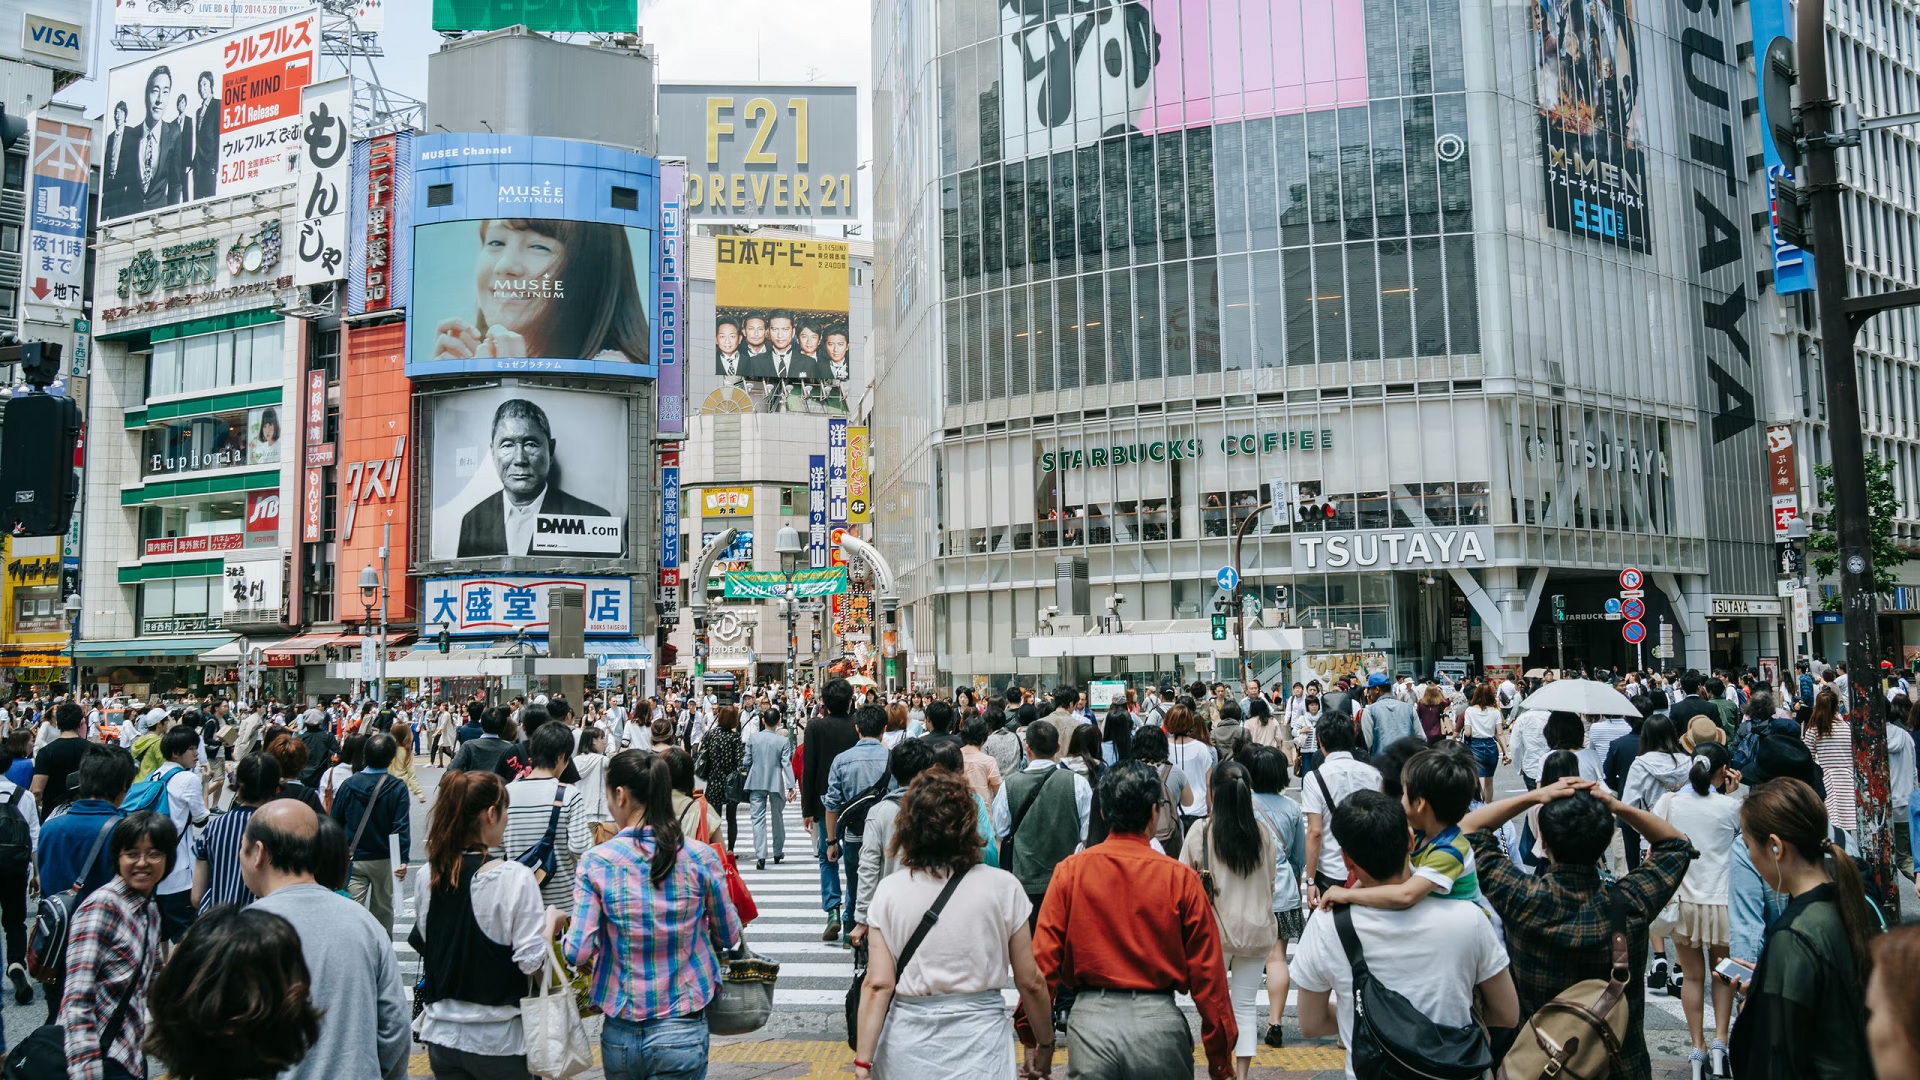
pixel 312 495
pixel 379 267
pixel 326 165
pixel 670 535
pixel 859 502
pixel 670 391
pixel 837 472
pixel 54 270
pixel 817 511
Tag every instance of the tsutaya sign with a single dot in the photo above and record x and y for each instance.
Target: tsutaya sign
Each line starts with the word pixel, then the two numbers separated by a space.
pixel 1233 444
pixel 1391 549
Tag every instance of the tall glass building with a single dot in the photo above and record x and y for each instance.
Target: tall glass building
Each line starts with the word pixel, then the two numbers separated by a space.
pixel 1446 308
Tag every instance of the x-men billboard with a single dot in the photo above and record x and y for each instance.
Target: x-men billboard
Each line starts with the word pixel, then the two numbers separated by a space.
pixel 1592 122
pixel 533 255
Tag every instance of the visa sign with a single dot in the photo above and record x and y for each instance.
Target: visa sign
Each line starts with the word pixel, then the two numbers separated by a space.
pixel 54 39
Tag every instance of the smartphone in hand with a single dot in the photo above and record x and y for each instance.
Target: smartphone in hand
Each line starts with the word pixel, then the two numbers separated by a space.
pixel 1734 972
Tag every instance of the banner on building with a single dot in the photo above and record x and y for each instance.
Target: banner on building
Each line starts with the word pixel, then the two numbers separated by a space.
pixel 54 269
pixel 737 556
pixel 1592 120
pixel 780 318
pixel 378 267
pixel 313 496
pixel 263 519
pixel 526 471
pixel 251 590
pixel 772 585
pixel 372 461
pixel 670 535
pixel 726 502
pixel 544 16
pixel 764 152
pixel 1773 35
pixel 859 501
pixel 533 254
pixel 216 117
pixel 506 604
pixel 1783 478
pixel 369 16
pixel 670 390
pixel 837 472
pixel 817 511
pixel 326 165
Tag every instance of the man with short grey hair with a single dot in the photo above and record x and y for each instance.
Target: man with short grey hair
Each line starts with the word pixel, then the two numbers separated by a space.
pixel 522 446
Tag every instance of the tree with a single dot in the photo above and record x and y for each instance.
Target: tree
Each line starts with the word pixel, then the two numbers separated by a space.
pixel 1883 504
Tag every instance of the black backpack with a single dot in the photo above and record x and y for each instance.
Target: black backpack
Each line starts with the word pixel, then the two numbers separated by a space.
pixel 853 819
pixel 16 842
pixel 1392 1040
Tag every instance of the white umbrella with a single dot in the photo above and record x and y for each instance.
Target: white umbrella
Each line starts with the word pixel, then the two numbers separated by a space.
pixel 860 680
pixel 1583 696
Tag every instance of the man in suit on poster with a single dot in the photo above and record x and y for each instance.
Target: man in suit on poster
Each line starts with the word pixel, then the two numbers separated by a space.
pixel 523 446
pixel 206 139
pixel 152 161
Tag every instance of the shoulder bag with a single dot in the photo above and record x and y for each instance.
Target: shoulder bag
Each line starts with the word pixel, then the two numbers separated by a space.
pixel 900 963
pixel 1577 1035
pixel 367 815
pixel 543 858
pixel 1020 814
pixel 1393 1040
pixel 52 920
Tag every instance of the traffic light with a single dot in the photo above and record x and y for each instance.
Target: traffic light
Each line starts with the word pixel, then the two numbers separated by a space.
pixel 1559 608
pixel 1219 627
pixel 1790 213
pixel 444 640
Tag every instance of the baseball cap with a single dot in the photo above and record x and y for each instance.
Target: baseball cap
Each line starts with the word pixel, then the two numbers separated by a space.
pixel 1379 679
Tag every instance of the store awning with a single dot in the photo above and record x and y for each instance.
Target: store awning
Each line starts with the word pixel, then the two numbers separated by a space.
pixel 229 653
pixel 298 649
pixel 621 654
pixel 33 656
pixel 135 648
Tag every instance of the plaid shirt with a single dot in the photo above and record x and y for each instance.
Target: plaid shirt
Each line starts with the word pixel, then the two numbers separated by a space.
pixel 111 953
pixel 1558 933
pixel 657 945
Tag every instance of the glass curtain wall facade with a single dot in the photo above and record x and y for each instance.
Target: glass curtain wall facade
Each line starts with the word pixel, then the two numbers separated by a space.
pixel 1154 265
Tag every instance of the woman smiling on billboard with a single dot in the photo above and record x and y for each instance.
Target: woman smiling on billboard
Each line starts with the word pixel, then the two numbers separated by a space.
pixel 551 289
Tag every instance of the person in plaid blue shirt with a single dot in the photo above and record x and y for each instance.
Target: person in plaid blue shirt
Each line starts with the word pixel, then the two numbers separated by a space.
pixel 651 917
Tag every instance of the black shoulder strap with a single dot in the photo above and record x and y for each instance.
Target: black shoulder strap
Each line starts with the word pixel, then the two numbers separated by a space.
pixel 926 923
pixel 1325 792
pixel 93 853
pixel 1357 957
pixel 1020 814
pixel 366 816
pixel 553 819
pixel 14 799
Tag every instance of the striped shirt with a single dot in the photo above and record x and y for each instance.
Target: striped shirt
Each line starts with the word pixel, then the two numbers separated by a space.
pixel 1834 755
pixel 654 949
pixel 219 847
pixel 529 808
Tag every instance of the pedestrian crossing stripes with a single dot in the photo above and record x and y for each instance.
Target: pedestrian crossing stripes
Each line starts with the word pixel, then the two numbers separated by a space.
pixel 814 974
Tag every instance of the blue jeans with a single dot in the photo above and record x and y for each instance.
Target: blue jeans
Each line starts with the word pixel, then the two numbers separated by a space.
pixel 829 871
pixel 669 1049
pixel 850 858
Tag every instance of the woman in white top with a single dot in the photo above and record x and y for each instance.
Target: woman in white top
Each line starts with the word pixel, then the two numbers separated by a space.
pixel 1699 926
pixel 479 930
pixel 942 1013
pixel 1662 766
pixel 353 752
pixel 1481 722
pixel 1193 757
pixel 591 760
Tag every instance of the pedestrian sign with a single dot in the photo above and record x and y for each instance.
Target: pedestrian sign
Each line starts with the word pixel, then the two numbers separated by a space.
pixel 1227 578
pixel 1631 578
pixel 1613 607
pixel 1219 628
pixel 1634 609
pixel 1634 631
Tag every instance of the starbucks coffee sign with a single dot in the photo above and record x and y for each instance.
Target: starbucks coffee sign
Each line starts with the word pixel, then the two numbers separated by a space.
pixel 1391 549
pixel 1232 444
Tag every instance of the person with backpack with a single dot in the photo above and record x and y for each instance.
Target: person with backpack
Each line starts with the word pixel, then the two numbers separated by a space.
pixel 1235 853
pixel 113 950
pixel 19 833
pixel 1041 814
pixel 1420 999
pixel 878 859
pixel 1149 747
pixel 856 781
pixel 174 789
pixel 372 806
pixel 1560 924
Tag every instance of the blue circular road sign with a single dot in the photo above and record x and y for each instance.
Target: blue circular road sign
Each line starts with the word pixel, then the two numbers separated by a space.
pixel 1227 578
pixel 1634 609
pixel 1613 607
pixel 1634 631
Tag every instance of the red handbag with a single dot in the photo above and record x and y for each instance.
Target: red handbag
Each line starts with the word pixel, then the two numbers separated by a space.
pixel 743 904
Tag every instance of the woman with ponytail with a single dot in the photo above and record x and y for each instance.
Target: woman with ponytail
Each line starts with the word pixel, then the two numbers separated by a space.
pixel 650 917
pixel 1805 1011
pixel 1235 853
pixel 480 931
pixel 1704 811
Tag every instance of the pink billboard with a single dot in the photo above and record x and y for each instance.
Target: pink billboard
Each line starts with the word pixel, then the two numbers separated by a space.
pixel 1164 65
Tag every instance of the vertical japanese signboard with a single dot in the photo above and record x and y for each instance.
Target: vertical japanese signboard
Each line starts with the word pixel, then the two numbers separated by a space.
pixel 670 391
pixel 1783 478
pixel 326 165
pixel 378 269
pixel 837 471
pixel 670 535
pixel 312 497
pixel 859 500
pixel 54 271
pixel 817 511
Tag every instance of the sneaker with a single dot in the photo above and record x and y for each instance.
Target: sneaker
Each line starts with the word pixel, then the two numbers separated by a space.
pixel 22 988
pixel 832 932
pixel 1275 1037
pixel 1657 973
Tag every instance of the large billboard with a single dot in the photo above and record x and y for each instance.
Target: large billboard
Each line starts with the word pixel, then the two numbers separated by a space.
pixel 1073 74
pixel 1592 121
pixel 367 15
pixel 546 16
pixel 533 255
pixel 765 152
pixel 780 319
pixel 216 117
pixel 528 472
pixel 373 463
pixel 55 267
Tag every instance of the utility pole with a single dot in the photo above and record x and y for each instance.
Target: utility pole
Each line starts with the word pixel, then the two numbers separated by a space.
pixel 1239 607
pixel 1820 135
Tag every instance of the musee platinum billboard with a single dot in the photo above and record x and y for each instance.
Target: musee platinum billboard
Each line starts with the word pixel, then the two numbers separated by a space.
pixel 764 152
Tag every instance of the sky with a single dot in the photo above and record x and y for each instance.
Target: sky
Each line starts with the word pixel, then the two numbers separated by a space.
pixel 695 40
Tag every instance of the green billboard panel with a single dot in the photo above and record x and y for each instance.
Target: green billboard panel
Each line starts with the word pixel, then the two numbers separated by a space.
pixel 550 16
pixel 772 585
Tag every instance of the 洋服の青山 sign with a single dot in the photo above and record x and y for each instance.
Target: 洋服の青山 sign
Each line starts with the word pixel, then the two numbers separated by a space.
pixel 772 585
pixel 1233 444
pixel 1392 549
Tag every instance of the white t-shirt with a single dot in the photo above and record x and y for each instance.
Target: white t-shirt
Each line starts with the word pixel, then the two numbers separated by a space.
pixel 1196 760
pixel 1508 695
pixel 966 951
pixel 1482 723
pixel 185 806
pixel 1457 950
pixel 1711 823
pixel 1343 776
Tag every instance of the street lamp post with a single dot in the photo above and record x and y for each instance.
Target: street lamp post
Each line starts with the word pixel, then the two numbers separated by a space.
pixel 372 588
pixel 1239 609
pixel 788 543
pixel 71 605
